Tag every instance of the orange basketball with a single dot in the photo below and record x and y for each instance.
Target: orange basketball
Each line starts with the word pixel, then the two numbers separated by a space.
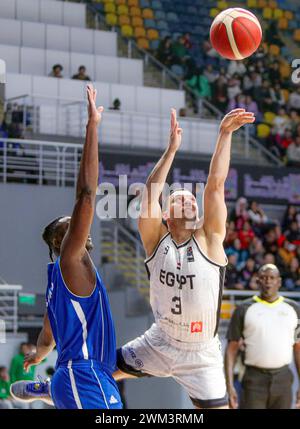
pixel 235 33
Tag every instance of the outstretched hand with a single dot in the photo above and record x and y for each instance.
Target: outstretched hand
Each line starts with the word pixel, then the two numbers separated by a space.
pixel 175 132
pixel 236 119
pixel 31 359
pixel 94 112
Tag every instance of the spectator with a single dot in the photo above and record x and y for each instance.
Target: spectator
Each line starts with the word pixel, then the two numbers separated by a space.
pixel 290 215
pixel 211 74
pixel 200 84
pixel 231 280
pixel 241 254
pixel 247 273
pixel 240 214
pixel 292 277
pixel 293 233
pixel 239 102
pixel 274 73
pixel 164 51
pixel 81 75
pixel 294 100
pixel 220 98
pixel 270 241
pixel 233 87
pixel 187 41
pixel 277 96
pixel 265 100
pixel 294 120
pixel 179 51
pixel 231 234
pixel 281 122
pixel 293 153
pixel 257 217
pixel 17 372
pixel 116 104
pixel 269 258
pixel 246 235
pixel 57 71
pixel 5 398
pixel 257 251
pixel 236 68
pixel 286 253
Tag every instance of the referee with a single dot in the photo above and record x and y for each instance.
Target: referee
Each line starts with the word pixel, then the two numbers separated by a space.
pixel 268 326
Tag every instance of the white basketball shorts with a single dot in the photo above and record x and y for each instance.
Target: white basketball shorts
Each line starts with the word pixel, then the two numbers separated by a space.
pixel 197 367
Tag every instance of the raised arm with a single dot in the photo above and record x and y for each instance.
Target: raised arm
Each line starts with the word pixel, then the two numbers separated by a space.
pixel 215 212
pixel 151 227
pixel 74 242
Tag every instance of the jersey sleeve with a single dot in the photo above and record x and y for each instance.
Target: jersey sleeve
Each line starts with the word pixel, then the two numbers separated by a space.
pixel 296 308
pixel 236 325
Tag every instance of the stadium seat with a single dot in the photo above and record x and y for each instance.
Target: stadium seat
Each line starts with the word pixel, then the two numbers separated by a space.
pixel 143 43
pixel 274 50
pixel 160 14
pixel 162 25
pixel 227 308
pixel 149 23
pixel 192 10
pixel 135 11
pixel 288 14
pixel 286 92
pixel 272 4
pixel 145 3
pixel 133 3
pixel 283 24
pixel 222 5
pixel 172 17
pixel 293 25
pixel 252 4
pixel 177 70
pixel 297 35
pixel 152 34
pixel 157 5
pixel 127 31
pixel 261 4
pixel 148 13
pixel 154 44
pixel 137 21
pixel 267 13
pixel 108 1
pixel 277 13
pixel 214 12
pixel 139 32
pixel 109 8
pixel 263 131
pixel 119 2
pixel 124 20
pixel 122 9
pixel 269 117
pixel 111 19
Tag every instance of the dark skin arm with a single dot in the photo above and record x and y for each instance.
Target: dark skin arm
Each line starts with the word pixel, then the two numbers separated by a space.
pixel 76 265
pixel 231 354
pixel 297 362
pixel 45 345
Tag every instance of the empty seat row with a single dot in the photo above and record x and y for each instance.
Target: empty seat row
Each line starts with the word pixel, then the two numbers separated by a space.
pixel 47 91
pixel 47 11
pixel 39 62
pixel 50 36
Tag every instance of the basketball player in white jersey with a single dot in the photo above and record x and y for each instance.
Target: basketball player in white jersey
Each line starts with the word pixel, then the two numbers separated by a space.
pixel 186 266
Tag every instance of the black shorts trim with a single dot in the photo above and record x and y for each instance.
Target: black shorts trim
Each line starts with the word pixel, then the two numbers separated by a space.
pixel 124 367
pixel 210 403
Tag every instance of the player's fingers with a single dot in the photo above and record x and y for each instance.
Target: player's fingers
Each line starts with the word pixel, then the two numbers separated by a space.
pixel 237 110
pixel 173 118
pixel 100 109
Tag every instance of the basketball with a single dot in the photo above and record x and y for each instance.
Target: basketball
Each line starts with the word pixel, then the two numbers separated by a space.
pixel 235 33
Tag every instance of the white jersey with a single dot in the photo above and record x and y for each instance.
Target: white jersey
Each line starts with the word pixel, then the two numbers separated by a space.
pixel 185 290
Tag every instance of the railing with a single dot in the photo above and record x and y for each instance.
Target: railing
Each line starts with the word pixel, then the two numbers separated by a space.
pixel 9 306
pixel 39 162
pixel 123 249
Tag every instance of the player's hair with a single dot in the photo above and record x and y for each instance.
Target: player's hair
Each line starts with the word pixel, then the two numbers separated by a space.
pixel 3 368
pixel 267 267
pixel 48 234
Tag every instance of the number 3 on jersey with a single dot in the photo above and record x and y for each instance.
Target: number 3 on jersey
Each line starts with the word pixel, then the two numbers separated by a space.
pixel 176 309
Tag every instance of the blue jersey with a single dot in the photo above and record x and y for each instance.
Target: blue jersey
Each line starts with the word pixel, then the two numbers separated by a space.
pixel 82 327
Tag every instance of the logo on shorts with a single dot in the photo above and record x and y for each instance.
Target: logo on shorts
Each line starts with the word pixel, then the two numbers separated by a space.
pixel 196 327
pixel 139 363
pixel 132 354
pixel 190 254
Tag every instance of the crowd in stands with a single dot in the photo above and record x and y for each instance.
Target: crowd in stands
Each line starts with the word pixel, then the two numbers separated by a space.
pixel 57 71
pixel 253 239
pixel 261 83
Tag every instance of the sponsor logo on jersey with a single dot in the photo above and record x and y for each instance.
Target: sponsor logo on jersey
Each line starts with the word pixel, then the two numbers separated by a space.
pixel 113 400
pixel 190 254
pixel 131 352
pixel 196 327
pixel 139 363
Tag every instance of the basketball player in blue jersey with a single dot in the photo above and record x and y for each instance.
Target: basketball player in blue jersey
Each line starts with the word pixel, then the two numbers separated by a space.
pixel 186 266
pixel 78 318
